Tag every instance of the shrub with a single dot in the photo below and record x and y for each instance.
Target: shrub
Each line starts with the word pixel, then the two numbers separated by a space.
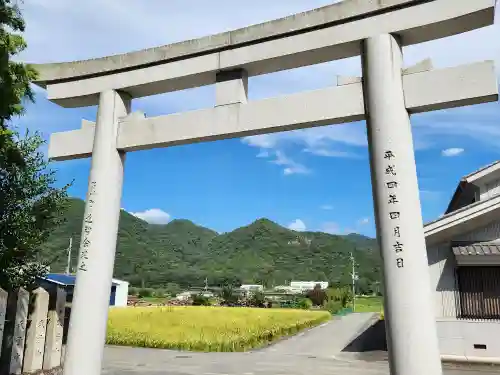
pixel 133 291
pixel 200 300
pixel 228 296
pixel 257 299
pixel 342 295
pixel 317 296
pixel 304 304
pixel 145 292
pixel 160 293
pixel 333 306
pixel 173 289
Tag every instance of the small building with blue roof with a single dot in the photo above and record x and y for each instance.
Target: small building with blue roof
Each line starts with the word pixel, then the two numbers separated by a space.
pixel 118 295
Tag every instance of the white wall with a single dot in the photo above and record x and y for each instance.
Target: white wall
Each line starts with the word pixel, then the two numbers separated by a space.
pixel 442 272
pixel 121 295
pixel 490 189
pixel 458 337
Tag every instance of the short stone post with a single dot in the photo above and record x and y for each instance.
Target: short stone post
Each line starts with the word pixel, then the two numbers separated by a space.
pixel 35 336
pixel 3 308
pixel 55 326
pixel 15 332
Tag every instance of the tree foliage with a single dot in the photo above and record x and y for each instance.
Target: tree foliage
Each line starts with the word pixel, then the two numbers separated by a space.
pixel 317 295
pixel 15 77
pixel 228 295
pixel 30 206
pixel 200 300
pixel 257 299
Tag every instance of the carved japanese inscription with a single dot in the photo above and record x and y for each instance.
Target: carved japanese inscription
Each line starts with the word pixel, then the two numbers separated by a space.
pixel 392 186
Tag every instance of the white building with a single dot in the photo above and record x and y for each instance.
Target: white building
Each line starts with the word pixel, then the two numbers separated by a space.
pixel 184 296
pixel 308 285
pixel 463 249
pixel 121 293
pixel 288 289
pixel 252 288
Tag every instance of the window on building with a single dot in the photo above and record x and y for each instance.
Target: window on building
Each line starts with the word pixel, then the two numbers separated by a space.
pixel 478 292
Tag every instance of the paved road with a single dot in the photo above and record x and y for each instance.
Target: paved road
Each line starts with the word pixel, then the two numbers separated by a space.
pixel 158 362
pixel 299 355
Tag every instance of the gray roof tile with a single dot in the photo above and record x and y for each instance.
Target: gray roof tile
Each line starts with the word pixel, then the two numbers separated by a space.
pixel 478 248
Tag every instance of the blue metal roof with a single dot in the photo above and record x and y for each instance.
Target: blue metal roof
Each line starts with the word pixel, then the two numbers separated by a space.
pixel 61 278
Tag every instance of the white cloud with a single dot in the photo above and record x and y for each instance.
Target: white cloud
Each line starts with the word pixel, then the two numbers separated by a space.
pixel 297 225
pixel 330 153
pixel 153 216
pixel 334 228
pixel 330 227
pixel 454 151
pixel 325 141
pixel 327 207
pixel 291 166
pixel 364 221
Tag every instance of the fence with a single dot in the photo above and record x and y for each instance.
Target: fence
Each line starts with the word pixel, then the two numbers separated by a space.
pixel 31 331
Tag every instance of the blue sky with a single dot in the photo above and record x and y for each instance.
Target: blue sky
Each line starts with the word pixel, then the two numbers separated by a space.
pixel 316 179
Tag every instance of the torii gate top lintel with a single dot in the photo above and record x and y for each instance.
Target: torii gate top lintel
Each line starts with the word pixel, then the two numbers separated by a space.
pixel 340 12
pixel 324 34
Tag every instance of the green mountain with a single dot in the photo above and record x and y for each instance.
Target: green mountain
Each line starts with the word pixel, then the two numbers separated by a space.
pixel 183 253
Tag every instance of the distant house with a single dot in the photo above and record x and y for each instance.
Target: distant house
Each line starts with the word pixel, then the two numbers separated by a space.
pixel 119 289
pixel 308 285
pixel 299 287
pixel 252 288
pixel 463 249
pixel 186 295
pixel 287 289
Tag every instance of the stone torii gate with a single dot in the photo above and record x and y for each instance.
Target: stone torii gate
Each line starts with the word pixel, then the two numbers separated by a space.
pixel 385 96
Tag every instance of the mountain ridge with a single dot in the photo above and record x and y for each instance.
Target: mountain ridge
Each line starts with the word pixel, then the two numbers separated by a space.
pixel 185 253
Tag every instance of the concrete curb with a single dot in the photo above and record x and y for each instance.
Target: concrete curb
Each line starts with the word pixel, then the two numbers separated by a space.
pixel 472 360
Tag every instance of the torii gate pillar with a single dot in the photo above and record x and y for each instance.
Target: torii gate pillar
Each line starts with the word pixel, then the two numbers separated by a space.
pixel 411 325
pixel 89 312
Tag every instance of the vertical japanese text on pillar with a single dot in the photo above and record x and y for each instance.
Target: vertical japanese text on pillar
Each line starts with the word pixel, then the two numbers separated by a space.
pixel 392 185
pixel 87 228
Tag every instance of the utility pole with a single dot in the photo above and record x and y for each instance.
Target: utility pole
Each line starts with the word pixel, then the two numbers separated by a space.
pixel 354 277
pixel 68 264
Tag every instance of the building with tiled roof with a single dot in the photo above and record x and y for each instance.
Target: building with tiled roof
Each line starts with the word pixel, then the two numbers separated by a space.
pixel 463 248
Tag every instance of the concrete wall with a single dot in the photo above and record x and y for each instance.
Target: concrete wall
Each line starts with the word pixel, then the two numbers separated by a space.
pixel 469 338
pixel 459 337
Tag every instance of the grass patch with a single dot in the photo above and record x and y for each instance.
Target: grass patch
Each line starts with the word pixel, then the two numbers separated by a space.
pixel 369 304
pixel 208 329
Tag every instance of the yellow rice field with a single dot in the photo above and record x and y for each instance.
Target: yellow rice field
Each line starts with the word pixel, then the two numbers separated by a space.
pixel 202 328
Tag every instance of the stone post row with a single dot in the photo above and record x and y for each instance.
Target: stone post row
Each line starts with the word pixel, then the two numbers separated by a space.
pixel 31 331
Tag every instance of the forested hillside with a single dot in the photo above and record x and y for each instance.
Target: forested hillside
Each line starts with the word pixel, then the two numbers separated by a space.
pixel 183 253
